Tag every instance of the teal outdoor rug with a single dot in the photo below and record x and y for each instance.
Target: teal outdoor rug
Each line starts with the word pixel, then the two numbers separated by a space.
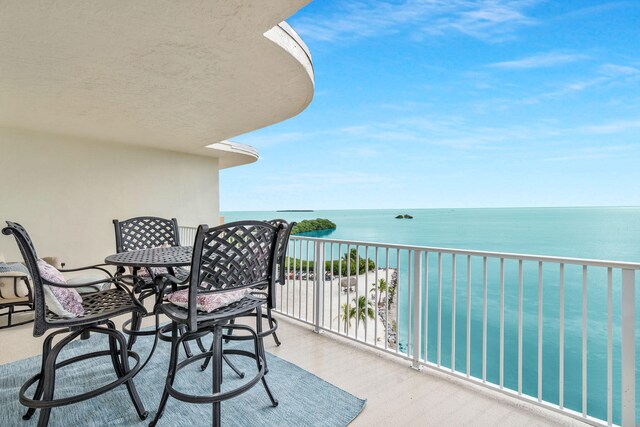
pixel 304 399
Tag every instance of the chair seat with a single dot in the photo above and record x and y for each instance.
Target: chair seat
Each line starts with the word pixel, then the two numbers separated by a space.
pixel 13 300
pixel 222 314
pixel 98 306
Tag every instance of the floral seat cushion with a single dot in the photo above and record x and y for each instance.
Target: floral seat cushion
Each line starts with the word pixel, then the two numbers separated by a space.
pixel 64 302
pixel 207 302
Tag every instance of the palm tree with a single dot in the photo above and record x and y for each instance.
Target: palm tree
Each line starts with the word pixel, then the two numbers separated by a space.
pixel 347 313
pixel 382 287
pixel 364 309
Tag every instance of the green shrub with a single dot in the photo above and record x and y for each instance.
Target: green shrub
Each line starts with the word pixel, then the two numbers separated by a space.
pixel 347 262
pixel 307 225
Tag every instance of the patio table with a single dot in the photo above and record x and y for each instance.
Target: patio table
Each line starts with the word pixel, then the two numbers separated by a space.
pixel 169 258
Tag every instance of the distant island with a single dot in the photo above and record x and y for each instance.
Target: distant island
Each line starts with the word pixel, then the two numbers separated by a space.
pixel 307 225
pixel 405 216
pixel 295 210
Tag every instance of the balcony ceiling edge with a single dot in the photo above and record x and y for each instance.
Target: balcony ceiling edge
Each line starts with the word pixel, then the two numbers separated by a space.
pixel 153 72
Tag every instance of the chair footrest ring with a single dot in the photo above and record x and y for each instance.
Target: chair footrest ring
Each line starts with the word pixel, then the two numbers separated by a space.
pixel 126 330
pixel 217 397
pixel 40 404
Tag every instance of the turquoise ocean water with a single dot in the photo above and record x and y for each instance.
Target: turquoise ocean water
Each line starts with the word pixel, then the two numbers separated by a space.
pixel 595 233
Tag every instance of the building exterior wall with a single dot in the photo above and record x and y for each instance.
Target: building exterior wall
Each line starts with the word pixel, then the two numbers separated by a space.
pixel 66 191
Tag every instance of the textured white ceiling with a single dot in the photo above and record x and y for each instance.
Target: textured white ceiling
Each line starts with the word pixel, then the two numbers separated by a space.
pixel 172 74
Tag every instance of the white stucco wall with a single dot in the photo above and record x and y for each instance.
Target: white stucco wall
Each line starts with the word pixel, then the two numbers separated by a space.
pixel 67 191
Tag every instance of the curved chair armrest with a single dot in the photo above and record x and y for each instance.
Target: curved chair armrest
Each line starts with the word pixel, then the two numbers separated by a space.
pixel 114 280
pixel 89 267
pixel 13 274
pixel 166 277
pixel 162 281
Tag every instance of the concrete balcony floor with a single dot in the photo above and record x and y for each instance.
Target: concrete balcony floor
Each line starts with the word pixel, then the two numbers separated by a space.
pixel 396 395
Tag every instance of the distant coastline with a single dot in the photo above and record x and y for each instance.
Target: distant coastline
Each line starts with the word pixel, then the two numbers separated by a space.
pixel 295 210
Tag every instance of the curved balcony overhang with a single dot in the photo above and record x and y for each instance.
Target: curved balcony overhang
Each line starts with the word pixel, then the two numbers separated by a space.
pixel 153 73
pixel 232 154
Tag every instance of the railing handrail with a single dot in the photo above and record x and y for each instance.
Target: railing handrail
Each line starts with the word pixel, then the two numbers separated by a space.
pixel 491 254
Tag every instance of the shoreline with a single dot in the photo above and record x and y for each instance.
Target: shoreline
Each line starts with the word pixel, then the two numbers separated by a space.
pixel 297 299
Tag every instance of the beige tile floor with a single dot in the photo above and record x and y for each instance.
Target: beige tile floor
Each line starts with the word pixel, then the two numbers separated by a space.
pixel 396 395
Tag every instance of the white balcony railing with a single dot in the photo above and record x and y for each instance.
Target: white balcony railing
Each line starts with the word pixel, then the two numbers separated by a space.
pixel 556 332
pixel 482 316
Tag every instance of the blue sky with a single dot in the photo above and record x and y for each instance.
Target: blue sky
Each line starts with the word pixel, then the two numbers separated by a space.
pixel 456 103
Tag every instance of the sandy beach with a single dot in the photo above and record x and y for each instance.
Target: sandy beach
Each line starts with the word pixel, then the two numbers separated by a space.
pixel 296 298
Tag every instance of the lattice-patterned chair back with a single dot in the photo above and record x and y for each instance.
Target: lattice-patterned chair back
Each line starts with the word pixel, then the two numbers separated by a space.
pixel 230 257
pixel 30 257
pixel 282 244
pixel 145 232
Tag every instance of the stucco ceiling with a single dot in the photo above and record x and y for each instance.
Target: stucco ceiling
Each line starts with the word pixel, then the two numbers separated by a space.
pixel 177 75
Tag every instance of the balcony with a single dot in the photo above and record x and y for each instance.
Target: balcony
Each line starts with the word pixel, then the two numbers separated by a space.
pixel 533 339
pixel 468 369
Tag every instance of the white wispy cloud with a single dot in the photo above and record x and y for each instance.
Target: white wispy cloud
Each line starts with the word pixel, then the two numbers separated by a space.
pixel 604 74
pixel 320 180
pixel 617 126
pixel 544 60
pixel 450 132
pixel 489 20
pixel 594 153
pixel 619 70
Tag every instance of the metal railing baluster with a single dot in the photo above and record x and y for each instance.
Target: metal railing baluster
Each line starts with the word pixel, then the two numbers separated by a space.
pixel 484 319
pixel 339 285
pixel 561 341
pixel 468 355
pixel 540 331
pixel 417 300
pixel 453 312
pixel 609 346
pixel 520 296
pixel 377 299
pixel 628 348
pixel 584 340
pixel 386 301
pixel 426 307
pixel 501 323
pixel 439 326
pixel 357 300
pixel 409 297
pixel 306 295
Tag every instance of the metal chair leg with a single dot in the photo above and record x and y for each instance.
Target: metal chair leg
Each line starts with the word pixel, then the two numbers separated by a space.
pixel 50 381
pixel 46 349
pixel 235 369
pixel 271 326
pixel 230 331
pixel 262 353
pixel 187 348
pixel 121 366
pixel 261 361
pixel 216 372
pixel 136 323
pixel 171 373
